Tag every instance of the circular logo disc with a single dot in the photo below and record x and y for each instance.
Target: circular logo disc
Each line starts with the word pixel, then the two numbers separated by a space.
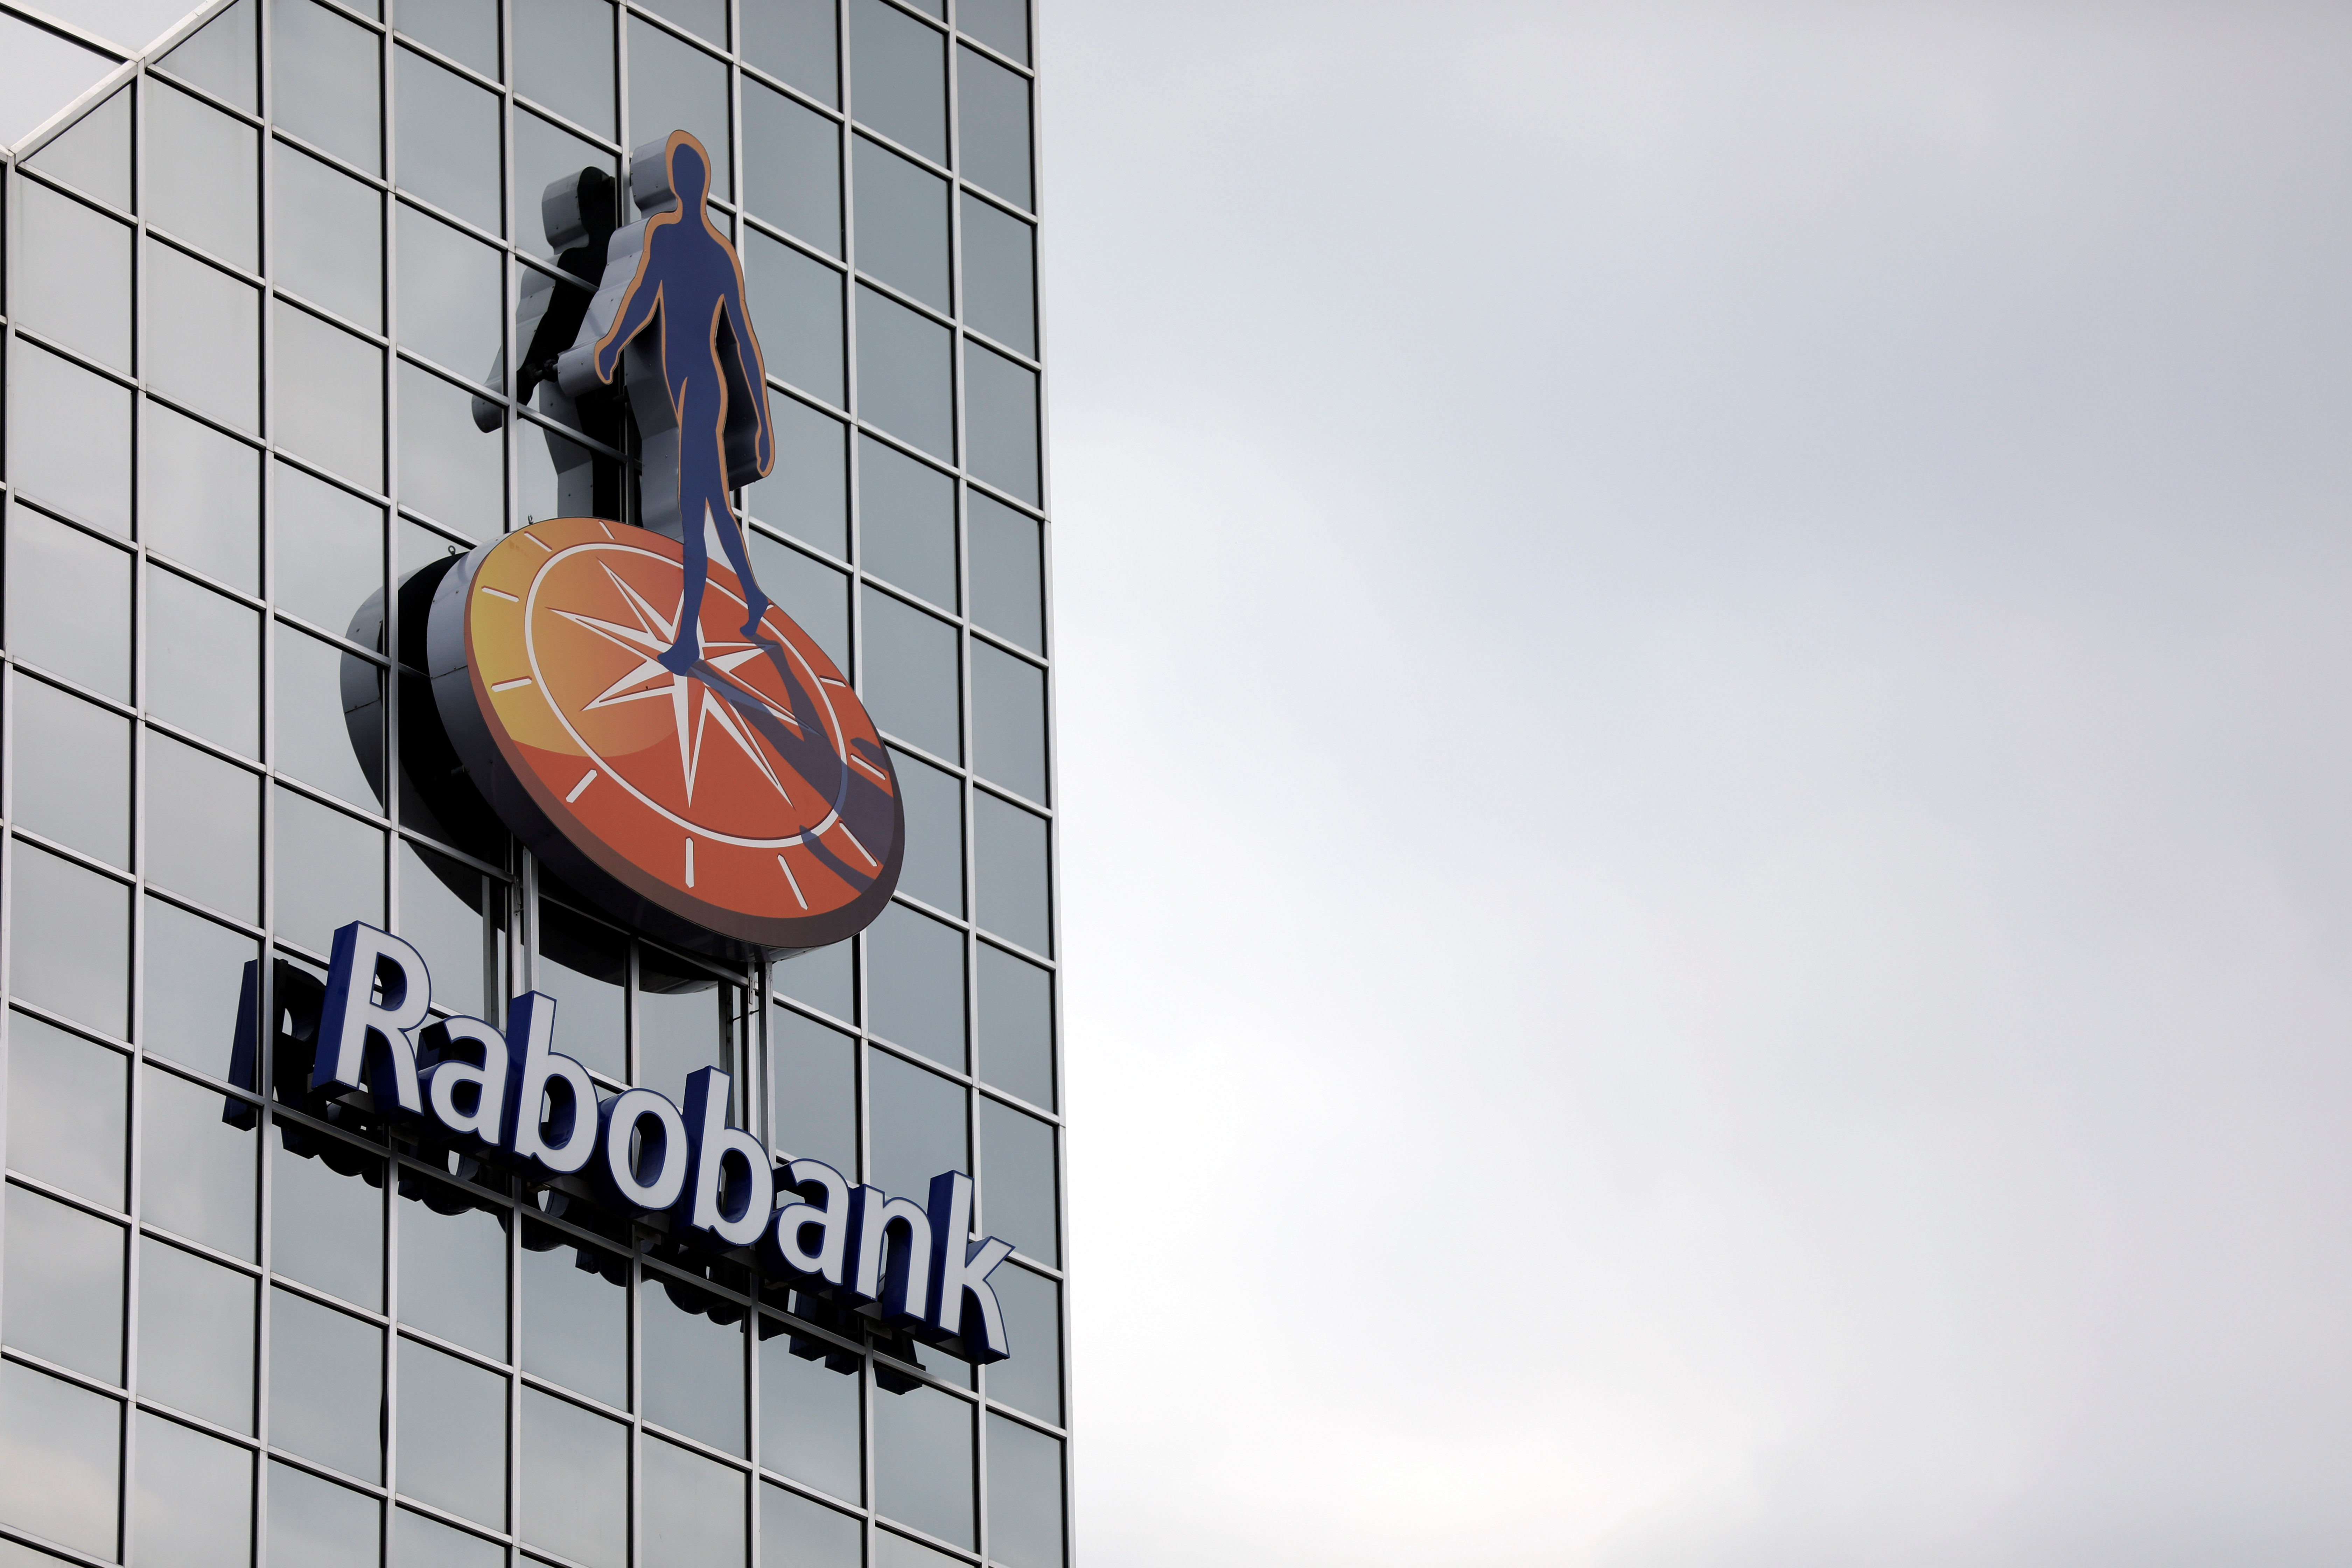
pixel 750 797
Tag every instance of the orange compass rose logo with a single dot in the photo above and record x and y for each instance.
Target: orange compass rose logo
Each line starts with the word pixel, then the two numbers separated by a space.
pixel 748 799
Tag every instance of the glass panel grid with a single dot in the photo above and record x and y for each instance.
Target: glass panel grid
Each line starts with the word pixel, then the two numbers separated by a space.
pixel 374 826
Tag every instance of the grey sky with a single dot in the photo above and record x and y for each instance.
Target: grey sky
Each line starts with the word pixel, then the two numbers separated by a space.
pixel 1704 724
pixel 1704 706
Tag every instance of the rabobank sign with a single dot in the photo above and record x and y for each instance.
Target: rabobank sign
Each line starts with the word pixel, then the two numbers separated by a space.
pixel 508 1096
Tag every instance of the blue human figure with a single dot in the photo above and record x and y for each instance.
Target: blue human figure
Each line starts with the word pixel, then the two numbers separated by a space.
pixel 672 304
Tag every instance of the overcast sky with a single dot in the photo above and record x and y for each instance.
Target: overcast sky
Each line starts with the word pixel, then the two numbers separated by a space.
pixel 1705 738
pixel 1704 714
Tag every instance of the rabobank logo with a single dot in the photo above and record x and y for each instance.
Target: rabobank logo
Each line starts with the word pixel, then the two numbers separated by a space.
pixel 644 718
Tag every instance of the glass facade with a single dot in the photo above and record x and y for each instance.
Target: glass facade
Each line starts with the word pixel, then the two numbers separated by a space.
pixel 266 316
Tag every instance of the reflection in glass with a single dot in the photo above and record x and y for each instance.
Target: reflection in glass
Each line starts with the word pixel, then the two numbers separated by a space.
pixel 193 1506
pixel 551 476
pixel 707 19
pixel 68 596
pixel 61 1451
pixel 808 1420
pixel 806 494
pixel 442 905
pixel 222 56
pixel 67 1109
pixel 448 141
pixel 993 119
pixel 326 550
pixel 1025 1496
pixel 816 1092
pixel 73 960
pixel 93 155
pixel 1010 873
pixel 194 970
pixel 575 1482
pixel 902 223
pixel 673 86
pixel 894 1550
pixel 449 293
pixel 73 772
pixel 328 401
pixel 326 1387
pixel 453 1435
pixel 418 1541
pixel 792 40
pixel 1000 275
pixel 911 674
pixel 326 238
pixel 200 498
pixel 915 989
pixel 694 1508
pixel 799 1532
pixel 195 1335
pixel 825 978
pixel 1000 421
pixel 1002 25
pixel 448 469
pixel 219 696
pixel 69 443
pixel 73 275
pixel 1018 1182
pixel 817 596
pixel 543 154
pixel 933 800
pixel 204 830
pixel 326 1212
pixel 1008 583
pixel 324 72
pixel 202 340
pixel 1008 720
pixel 798 302
pixel 685 1020
pixel 203 184
pixel 922 1462
pixel 905 382
pixel 693 1373
pixel 575 1320
pixel 329 872
pixel 315 681
pixel 906 528
pixel 899 78
pixel 792 173
pixel 915 1126
pixel 564 58
pixel 465 30
pixel 61 1285
pixel 1030 1378
pixel 1016 1026
pixel 581 964
pixel 320 1524
pixel 197 1175
pixel 453 1266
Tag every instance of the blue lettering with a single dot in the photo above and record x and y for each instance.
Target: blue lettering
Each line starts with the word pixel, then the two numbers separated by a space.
pixel 511 1094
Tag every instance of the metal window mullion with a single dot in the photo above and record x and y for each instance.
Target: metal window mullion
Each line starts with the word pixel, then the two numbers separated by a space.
pixel 134 1025
pixel 7 698
pixel 388 156
pixel 1062 1293
pixel 636 1394
pixel 264 1299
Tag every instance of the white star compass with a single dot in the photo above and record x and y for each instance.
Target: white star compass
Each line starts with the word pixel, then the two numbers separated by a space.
pixel 563 710
pixel 648 636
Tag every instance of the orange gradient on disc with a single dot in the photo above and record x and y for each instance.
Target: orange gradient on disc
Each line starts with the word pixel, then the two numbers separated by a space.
pixel 751 795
